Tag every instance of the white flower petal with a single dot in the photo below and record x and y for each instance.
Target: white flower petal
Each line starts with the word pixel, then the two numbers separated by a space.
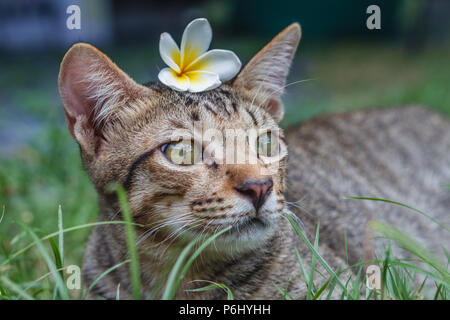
pixel 169 51
pixel 171 79
pixel 202 81
pixel 195 41
pixel 223 62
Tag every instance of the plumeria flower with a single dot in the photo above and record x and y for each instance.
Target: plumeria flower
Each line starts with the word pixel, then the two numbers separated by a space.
pixel 193 68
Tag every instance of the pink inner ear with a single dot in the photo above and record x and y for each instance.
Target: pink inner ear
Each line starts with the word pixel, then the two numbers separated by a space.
pixel 75 82
pixel 78 81
pixel 93 90
pixel 74 92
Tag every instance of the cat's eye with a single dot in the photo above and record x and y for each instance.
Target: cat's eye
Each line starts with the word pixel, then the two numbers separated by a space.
pixel 182 152
pixel 267 144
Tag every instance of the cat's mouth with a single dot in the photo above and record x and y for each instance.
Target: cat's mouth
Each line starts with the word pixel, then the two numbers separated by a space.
pixel 247 225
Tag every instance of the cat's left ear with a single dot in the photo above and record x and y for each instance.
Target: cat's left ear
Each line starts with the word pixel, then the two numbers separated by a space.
pixel 264 77
pixel 95 93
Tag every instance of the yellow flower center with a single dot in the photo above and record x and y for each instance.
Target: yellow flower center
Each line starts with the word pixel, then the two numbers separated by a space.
pixel 189 56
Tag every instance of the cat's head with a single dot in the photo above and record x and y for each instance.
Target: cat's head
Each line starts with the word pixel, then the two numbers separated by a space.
pixel 151 140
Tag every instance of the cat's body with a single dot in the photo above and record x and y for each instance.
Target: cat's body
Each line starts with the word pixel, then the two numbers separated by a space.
pixel 400 154
pixel 123 130
pixel 396 154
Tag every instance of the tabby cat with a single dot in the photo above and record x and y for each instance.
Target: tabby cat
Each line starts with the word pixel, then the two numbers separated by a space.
pixel 124 131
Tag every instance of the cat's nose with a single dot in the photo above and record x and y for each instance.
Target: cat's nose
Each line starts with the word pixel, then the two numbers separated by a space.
pixel 256 191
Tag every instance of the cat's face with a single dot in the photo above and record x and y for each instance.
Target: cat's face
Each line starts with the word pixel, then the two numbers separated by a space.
pixel 197 183
pixel 191 163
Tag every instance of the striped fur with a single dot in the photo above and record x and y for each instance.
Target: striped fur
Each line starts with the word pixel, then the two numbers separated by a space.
pixel 401 154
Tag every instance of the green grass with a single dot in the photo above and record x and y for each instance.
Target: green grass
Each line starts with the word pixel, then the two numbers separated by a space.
pixel 131 242
pixel 46 174
pixel 181 267
pixel 398 279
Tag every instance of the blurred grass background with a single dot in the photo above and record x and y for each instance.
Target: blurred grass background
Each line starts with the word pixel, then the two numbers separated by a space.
pixel 346 67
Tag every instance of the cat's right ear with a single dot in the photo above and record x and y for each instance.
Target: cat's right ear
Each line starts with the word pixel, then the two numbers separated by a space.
pixel 94 91
pixel 264 77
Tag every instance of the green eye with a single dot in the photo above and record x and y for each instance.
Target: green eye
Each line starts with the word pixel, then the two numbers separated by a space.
pixel 182 152
pixel 267 144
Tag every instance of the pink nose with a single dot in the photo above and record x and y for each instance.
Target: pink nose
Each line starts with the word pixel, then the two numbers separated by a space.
pixel 256 191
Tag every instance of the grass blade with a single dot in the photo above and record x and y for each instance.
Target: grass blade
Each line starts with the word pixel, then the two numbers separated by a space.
pixel 58 262
pixel 406 206
pixel 410 245
pixel 56 275
pixel 314 251
pixel 302 266
pixel 438 291
pixel 283 292
pixel 3 214
pixel 332 285
pixel 213 286
pixel 118 292
pixel 170 289
pixel 311 286
pixel 82 226
pixel 61 235
pixel 106 272
pixel 17 289
pixel 321 289
pixel 131 243
pixel 175 276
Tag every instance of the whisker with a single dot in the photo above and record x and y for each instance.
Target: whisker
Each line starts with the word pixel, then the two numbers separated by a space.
pixel 259 88
pixel 300 207
pixel 282 88
pixel 115 215
pixel 295 218
pixel 155 226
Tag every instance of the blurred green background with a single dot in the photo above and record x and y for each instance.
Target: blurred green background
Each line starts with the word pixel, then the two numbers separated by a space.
pixel 345 65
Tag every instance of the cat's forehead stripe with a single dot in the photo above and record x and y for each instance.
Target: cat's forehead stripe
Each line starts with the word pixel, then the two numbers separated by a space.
pixel 252 115
pixel 220 102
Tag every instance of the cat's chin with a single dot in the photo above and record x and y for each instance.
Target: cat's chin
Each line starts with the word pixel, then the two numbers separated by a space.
pixel 247 235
